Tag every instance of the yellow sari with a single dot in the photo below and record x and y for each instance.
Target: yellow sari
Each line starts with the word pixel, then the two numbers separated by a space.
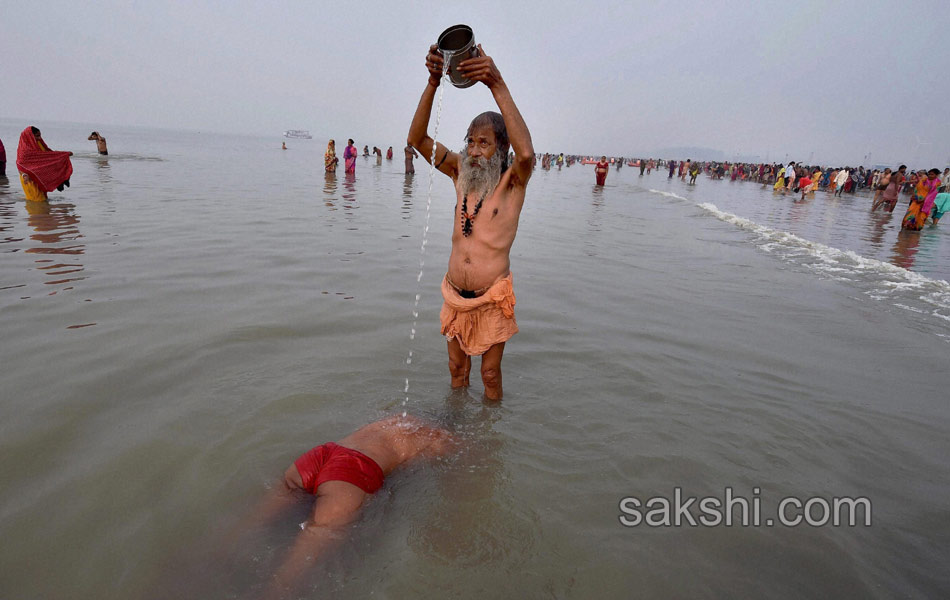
pixel 32 191
pixel 780 181
pixel 329 158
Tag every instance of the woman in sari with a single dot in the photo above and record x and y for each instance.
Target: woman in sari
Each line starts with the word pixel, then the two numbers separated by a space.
pixel 804 183
pixel 349 156
pixel 779 180
pixel 925 195
pixel 600 170
pixel 329 158
pixel 910 186
pixel 41 170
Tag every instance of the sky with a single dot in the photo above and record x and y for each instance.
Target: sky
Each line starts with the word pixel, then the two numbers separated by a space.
pixel 824 82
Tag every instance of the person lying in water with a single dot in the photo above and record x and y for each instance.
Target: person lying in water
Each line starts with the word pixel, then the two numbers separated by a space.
pixel 343 475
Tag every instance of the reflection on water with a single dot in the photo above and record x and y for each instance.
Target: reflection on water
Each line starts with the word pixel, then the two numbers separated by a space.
pixel 905 248
pixel 8 215
pixel 407 197
pixel 349 188
pixel 56 228
pixel 349 198
pixel 329 190
pixel 103 170
pixel 594 220
pixel 876 229
pixel 916 247
pixel 798 211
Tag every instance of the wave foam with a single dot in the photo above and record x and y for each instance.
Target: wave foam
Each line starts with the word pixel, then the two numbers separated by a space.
pixel 887 282
pixel 669 195
pixel 848 260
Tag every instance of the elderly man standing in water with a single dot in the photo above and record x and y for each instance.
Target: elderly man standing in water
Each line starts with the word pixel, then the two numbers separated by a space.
pixel 477 316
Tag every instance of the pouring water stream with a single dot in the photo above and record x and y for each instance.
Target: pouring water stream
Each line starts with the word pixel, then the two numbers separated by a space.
pixel 446 57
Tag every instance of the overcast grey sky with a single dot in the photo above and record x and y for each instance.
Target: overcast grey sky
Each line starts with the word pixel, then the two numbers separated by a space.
pixel 836 80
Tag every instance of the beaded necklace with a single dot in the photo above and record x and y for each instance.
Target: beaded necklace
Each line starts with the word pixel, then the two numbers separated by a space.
pixel 469 219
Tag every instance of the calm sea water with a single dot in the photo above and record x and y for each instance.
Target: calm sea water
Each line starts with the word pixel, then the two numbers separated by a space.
pixel 199 309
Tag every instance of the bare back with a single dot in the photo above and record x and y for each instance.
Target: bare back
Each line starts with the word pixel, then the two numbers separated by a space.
pixel 396 440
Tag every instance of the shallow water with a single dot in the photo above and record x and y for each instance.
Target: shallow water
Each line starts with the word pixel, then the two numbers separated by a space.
pixel 197 310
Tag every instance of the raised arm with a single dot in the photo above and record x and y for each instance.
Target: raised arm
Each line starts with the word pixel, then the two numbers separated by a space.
pixel 419 139
pixel 483 69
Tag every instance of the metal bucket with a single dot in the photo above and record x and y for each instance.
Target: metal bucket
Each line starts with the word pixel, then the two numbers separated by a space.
pixel 460 42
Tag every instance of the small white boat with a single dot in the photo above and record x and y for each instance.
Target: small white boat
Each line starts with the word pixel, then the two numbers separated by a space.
pixel 298 133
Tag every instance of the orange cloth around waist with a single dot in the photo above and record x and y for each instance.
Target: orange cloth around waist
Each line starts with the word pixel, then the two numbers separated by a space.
pixel 479 323
pixel 332 462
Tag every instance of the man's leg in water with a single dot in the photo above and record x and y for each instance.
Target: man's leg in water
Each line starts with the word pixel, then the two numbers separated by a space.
pixel 491 371
pixel 460 364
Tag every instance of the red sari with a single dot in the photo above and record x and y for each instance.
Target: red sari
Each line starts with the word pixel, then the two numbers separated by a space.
pixel 601 171
pixel 47 169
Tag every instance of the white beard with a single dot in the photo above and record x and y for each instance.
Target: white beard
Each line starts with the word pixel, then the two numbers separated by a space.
pixel 481 179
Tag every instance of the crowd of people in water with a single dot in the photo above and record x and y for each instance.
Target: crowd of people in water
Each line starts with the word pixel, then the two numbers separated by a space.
pixel 928 191
pixel 331 161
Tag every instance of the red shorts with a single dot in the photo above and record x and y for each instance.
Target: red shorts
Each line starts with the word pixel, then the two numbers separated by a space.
pixel 332 462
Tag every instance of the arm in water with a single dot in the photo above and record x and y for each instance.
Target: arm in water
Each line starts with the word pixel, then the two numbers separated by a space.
pixel 482 68
pixel 419 139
